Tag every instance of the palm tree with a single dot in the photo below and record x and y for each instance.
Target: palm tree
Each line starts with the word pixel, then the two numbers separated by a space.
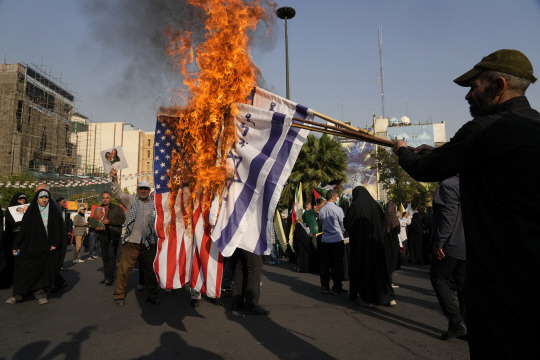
pixel 321 159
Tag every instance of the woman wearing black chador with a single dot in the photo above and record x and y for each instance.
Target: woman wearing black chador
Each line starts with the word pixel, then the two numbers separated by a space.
pixel 35 250
pixel 6 250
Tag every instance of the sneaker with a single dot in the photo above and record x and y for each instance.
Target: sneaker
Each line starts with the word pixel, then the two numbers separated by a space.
pixel 75 261
pixel 394 286
pixel 119 302
pixel 81 261
pixel 338 291
pixel 11 300
pixel 90 258
pixel 96 257
pixel 325 290
pixel 392 303
pixel 42 301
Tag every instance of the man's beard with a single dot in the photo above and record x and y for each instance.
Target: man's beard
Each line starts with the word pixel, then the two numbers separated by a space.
pixel 485 105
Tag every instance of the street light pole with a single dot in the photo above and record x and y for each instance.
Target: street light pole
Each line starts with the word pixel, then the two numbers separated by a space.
pixel 286 13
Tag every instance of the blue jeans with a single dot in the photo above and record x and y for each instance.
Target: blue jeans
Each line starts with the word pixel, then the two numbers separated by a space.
pixel 93 248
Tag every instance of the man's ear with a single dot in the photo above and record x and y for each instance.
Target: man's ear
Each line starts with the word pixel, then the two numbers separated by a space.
pixel 501 84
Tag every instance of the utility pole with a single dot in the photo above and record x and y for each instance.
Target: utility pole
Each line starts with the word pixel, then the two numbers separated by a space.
pixel 286 13
pixel 381 79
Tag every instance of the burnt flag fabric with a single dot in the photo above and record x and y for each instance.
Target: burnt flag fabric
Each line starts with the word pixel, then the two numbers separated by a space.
pixel 185 253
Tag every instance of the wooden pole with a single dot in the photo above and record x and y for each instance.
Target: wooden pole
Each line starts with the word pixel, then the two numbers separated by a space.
pixel 342 124
pixel 354 133
pixel 349 135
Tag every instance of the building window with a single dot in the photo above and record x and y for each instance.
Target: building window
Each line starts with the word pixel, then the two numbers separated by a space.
pixel 18 115
pixel 148 166
pixel 148 142
pixel 148 156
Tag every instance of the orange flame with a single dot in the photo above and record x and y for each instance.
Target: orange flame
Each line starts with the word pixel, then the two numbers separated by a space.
pixel 225 75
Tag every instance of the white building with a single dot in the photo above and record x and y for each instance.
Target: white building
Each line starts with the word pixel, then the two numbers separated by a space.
pixel 92 138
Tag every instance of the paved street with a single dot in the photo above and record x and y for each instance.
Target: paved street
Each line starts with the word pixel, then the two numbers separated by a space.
pixel 82 322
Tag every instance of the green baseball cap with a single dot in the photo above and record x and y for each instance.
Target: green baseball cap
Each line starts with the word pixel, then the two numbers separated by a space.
pixel 511 62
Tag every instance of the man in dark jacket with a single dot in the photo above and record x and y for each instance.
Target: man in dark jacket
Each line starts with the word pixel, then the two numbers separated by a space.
pixel 63 242
pixel 497 158
pixel 449 255
pixel 110 236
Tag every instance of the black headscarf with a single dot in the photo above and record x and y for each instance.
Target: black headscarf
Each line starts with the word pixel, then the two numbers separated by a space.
pixel 369 276
pixel 10 222
pixel 32 226
pixel 390 217
pixel 15 199
pixel 362 205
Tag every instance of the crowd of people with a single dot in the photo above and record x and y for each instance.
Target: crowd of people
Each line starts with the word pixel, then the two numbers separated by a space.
pixel 33 250
pixel 364 242
pixel 483 266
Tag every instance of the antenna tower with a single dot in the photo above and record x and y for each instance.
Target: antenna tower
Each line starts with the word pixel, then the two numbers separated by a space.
pixel 381 79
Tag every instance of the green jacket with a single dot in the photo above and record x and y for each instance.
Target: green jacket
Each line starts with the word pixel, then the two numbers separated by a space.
pixel 310 218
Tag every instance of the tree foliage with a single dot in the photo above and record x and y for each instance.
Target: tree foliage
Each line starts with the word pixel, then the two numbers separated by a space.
pixel 401 188
pixel 321 159
pixel 89 197
pixel 7 193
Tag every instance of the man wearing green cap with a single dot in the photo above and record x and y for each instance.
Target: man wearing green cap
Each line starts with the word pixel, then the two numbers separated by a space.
pixel 497 155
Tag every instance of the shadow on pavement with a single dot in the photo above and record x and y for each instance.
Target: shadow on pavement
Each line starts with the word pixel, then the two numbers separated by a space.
pixel 313 291
pixel 277 339
pixel 172 346
pixel 172 311
pixel 67 350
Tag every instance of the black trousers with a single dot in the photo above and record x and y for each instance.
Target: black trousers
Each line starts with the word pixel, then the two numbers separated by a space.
pixel 109 246
pixel 247 277
pixel 332 264
pixel 442 272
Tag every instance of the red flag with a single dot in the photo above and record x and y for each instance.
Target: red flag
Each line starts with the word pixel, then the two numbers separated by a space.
pixel 316 194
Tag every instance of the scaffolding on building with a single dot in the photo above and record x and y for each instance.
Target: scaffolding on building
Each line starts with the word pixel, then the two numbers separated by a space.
pixel 35 113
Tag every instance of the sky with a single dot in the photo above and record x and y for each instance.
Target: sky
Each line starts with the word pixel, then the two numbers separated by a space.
pixel 111 53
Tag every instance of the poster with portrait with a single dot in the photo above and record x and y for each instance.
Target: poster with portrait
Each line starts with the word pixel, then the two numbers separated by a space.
pixel 113 158
pixel 362 170
pixel 18 211
pixel 97 212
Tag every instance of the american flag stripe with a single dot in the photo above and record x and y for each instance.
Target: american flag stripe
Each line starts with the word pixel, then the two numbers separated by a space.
pixel 184 254
pixel 207 260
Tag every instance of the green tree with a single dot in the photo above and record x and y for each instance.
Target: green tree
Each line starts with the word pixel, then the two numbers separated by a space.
pixel 7 193
pixel 321 159
pixel 401 188
pixel 90 197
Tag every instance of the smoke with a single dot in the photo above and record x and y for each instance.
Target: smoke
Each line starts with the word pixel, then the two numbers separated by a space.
pixel 131 33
